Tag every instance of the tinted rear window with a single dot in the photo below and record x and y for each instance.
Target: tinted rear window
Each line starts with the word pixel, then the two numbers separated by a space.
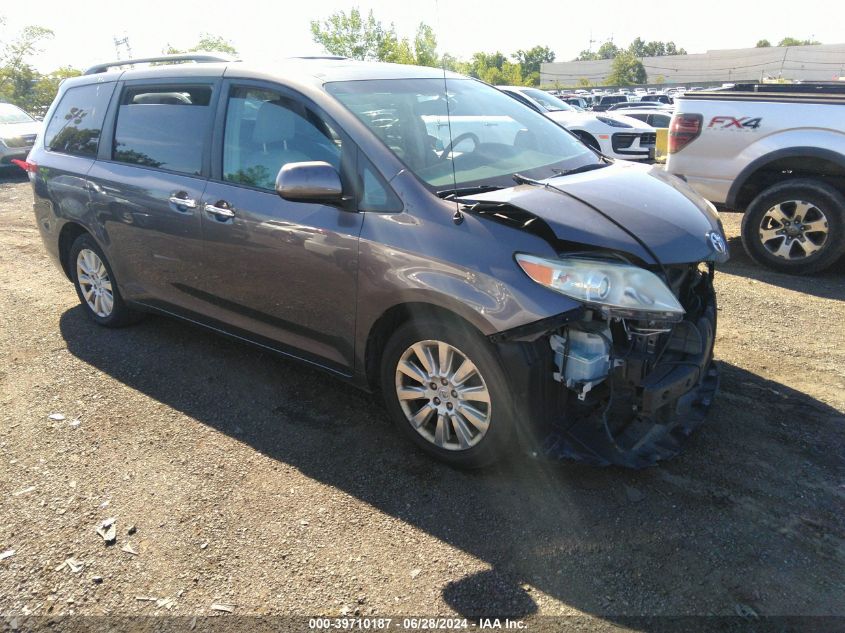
pixel 77 123
pixel 163 127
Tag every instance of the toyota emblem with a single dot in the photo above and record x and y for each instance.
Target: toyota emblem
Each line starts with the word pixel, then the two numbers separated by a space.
pixel 717 242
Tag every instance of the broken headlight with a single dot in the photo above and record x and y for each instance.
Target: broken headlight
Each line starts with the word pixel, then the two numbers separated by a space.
pixel 617 289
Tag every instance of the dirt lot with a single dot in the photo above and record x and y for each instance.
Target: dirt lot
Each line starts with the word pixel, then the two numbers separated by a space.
pixel 261 484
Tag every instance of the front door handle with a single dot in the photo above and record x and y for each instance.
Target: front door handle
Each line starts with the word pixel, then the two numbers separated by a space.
pixel 221 209
pixel 181 199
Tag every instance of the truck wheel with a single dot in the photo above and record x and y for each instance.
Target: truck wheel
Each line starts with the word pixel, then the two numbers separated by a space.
pixel 796 227
pixel 447 392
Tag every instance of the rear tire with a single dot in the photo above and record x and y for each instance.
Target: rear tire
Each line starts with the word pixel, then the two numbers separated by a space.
pixel 796 227
pixel 96 286
pixel 452 422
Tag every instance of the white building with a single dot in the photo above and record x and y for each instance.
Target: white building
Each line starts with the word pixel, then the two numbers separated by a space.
pixel 822 62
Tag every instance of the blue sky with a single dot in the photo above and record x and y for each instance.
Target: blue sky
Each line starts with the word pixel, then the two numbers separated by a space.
pixel 268 30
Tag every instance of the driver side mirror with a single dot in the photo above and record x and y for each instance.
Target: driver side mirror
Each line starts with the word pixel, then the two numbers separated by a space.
pixel 312 181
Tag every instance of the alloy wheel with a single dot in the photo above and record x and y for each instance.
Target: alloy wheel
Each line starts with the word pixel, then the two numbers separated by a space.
pixel 793 229
pixel 94 282
pixel 443 395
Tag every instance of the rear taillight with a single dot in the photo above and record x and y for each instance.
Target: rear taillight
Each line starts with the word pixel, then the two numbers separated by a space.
pixel 25 165
pixel 683 130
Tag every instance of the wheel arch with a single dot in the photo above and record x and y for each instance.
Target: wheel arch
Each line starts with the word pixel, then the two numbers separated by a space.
pixel 799 162
pixel 67 236
pixel 393 318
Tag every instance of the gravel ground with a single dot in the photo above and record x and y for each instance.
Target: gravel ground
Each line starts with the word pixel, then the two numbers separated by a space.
pixel 261 484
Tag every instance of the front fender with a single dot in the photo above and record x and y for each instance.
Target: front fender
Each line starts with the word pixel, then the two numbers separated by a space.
pixel 467 269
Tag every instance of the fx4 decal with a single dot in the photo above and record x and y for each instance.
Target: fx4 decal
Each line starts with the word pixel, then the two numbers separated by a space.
pixel 729 122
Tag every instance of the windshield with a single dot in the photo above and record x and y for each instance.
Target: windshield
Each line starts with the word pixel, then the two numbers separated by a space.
pixel 13 114
pixel 546 100
pixel 492 136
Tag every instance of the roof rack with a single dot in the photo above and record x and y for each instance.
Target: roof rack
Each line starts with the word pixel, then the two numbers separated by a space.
pixel 334 57
pixel 182 57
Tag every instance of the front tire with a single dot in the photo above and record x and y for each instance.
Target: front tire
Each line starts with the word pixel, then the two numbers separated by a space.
pixel 96 287
pixel 446 390
pixel 796 227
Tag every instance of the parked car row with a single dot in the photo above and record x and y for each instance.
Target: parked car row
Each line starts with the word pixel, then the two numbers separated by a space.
pixel 612 134
pixel 600 100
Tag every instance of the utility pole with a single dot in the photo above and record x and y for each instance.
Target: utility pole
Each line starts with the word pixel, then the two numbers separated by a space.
pixel 123 44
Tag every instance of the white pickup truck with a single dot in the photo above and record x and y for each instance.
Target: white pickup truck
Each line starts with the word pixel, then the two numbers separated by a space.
pixel 776 152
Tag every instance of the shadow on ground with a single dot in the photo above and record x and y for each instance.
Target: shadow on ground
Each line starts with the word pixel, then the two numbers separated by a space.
pixel 746 516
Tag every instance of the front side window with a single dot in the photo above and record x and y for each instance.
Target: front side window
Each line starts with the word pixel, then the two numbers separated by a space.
pixel 266 130
pixel 479 136
pixel 77 122
pixel 163 127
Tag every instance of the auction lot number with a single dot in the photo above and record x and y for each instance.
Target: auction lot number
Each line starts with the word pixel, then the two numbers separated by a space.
pixel 374 624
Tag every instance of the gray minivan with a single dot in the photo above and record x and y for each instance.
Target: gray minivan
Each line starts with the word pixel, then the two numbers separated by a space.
pixel 415 232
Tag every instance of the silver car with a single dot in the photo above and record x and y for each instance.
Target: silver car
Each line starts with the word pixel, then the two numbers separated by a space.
pixel 17 133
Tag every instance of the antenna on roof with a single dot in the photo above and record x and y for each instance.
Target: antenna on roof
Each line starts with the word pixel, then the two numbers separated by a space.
pixel 458 217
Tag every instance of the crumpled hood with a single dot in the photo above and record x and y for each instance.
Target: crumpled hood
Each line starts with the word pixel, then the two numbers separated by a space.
pixel 13 130
pixel 660 209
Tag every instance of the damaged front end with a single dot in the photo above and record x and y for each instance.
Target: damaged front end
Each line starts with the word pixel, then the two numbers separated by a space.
pixel 606 388
pixel 626 376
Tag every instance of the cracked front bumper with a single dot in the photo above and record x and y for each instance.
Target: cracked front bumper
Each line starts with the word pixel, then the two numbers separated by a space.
pixel 648 404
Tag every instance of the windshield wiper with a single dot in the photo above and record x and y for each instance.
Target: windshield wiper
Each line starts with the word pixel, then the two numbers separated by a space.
pixel 581 169
pixel 457 192
pixel 525 180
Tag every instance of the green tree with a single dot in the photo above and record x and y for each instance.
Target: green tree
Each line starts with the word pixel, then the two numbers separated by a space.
pixel 450 62
pixel 626 70
pixel 608 50
pixel 583 82
pixel 392 49
pixel 481 62
pixel 350 35
pixel 207 42
pixel 671 49
pixel 793 41
pixel 46 86
pixel 425 46
pixel 531 61
pixel 28 42
pixel 19 81
pixel 586 56
pixel 762 44
pixel 637 48
pixel 654 49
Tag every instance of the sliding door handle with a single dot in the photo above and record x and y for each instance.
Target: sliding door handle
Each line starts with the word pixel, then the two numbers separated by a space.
pixel 182 200
pixel 222 212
